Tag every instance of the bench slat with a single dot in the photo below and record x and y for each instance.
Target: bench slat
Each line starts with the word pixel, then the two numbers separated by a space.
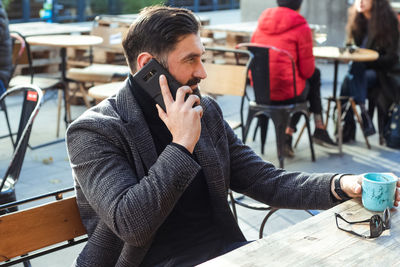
pixel 35 228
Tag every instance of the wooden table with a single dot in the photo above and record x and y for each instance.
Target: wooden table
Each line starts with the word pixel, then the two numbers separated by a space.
pixel 318 242
pixel 63 42
pixel 395 6
pixel 334 54
pixel 45 28
pixel 103 91
pixel 235 32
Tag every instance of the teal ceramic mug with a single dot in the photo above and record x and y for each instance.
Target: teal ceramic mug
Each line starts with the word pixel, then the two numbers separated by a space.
pixel 378 191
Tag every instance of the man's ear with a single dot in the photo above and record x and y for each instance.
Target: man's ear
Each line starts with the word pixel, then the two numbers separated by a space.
pixel 142 59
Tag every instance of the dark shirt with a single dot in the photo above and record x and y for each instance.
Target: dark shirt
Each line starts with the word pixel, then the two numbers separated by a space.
pixel 190 224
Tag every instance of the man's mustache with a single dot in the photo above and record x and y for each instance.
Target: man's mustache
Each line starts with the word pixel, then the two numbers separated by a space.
pixel 196 90
pixel 193 81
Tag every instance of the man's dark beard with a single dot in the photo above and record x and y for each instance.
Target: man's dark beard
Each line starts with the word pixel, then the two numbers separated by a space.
pixel 196 90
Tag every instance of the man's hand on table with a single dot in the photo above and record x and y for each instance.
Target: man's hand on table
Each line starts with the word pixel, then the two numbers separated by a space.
pixel 351 185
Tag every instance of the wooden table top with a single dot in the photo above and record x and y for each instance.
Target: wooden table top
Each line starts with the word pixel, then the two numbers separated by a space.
pixel 100 92
pixel 240 28
pixel 395 6
pixel 45 28
pixel 65 40
pixel 318 242
pixel 333 53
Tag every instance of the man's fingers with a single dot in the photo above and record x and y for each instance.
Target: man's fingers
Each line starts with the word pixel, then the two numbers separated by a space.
pixel 199 110
pixel 191 100
pixel 357 189
pixel 166 93
pixel 161 113
pixel 181 93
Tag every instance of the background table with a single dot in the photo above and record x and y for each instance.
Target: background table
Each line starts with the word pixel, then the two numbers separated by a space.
pixel 45 28
pixel 63 42
pixel 334 53
pixel 235 32
pixel 318 242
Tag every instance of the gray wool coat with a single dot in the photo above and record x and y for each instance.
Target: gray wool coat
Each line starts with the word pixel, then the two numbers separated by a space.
pixel 122 207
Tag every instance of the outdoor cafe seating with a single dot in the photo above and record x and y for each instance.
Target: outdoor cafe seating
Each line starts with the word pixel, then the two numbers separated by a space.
pixel 22 56
pixel 107 68
pixel 263 109
pixel 28 98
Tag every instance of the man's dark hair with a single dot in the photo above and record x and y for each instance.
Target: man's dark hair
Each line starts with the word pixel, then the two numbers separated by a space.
pixel 292 4
pixel 157 30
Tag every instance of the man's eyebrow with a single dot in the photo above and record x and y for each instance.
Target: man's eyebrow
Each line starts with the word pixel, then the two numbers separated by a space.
pixel 191 55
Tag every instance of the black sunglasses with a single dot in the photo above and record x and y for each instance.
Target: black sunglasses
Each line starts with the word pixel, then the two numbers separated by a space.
pixel 377 224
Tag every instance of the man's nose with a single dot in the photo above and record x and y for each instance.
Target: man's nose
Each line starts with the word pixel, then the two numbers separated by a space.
pixel 200 71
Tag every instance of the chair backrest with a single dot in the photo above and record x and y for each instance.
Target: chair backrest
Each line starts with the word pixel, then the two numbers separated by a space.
pixel 260 70
pixel 45 225
pixel 32 98
pixel 227 72
pixel 224 76
pixel 21 53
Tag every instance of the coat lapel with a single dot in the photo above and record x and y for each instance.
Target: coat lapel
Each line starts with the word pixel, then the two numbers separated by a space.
pixel 207 157
pixel 131 114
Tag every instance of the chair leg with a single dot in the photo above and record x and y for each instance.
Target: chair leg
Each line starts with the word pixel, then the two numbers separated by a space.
pixel 272 211
pixel 233 205
pixel 85 96
pixel 310 137
pixel 27 264
pixel 300 134
pixel 263 123
pixel 67 106
pixel 280 141
pixel 59 112
pixel 339 124
pixel 255 130
pixel 327 114
pixel 353 106
pixel 250 117
pixel 10 134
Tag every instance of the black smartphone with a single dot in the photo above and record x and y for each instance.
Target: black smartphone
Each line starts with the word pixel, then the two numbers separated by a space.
pixel 148 78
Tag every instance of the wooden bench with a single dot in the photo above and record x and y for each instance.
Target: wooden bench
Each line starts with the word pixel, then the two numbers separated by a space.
pixel 48 228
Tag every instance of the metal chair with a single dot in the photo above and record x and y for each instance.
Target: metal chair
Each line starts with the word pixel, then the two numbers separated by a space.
pixel 22 55
pixel 3 108
pixel 31 100
pixel 263 108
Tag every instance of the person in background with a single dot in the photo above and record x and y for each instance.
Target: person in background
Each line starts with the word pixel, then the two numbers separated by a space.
pixel 5 51
pixel 371 24
pixel 152 185
pixel 283 27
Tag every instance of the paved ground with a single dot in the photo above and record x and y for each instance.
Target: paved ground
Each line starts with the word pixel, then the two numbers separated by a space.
pixel 47 169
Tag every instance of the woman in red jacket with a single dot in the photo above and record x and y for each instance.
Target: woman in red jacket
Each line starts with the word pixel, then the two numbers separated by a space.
pixel 283 27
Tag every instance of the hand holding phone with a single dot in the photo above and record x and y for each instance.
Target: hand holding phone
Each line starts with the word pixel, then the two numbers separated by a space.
pixel 183 117
pixel 148 78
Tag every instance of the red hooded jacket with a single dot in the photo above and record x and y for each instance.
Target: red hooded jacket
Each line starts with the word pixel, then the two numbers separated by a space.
pixel 286 29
